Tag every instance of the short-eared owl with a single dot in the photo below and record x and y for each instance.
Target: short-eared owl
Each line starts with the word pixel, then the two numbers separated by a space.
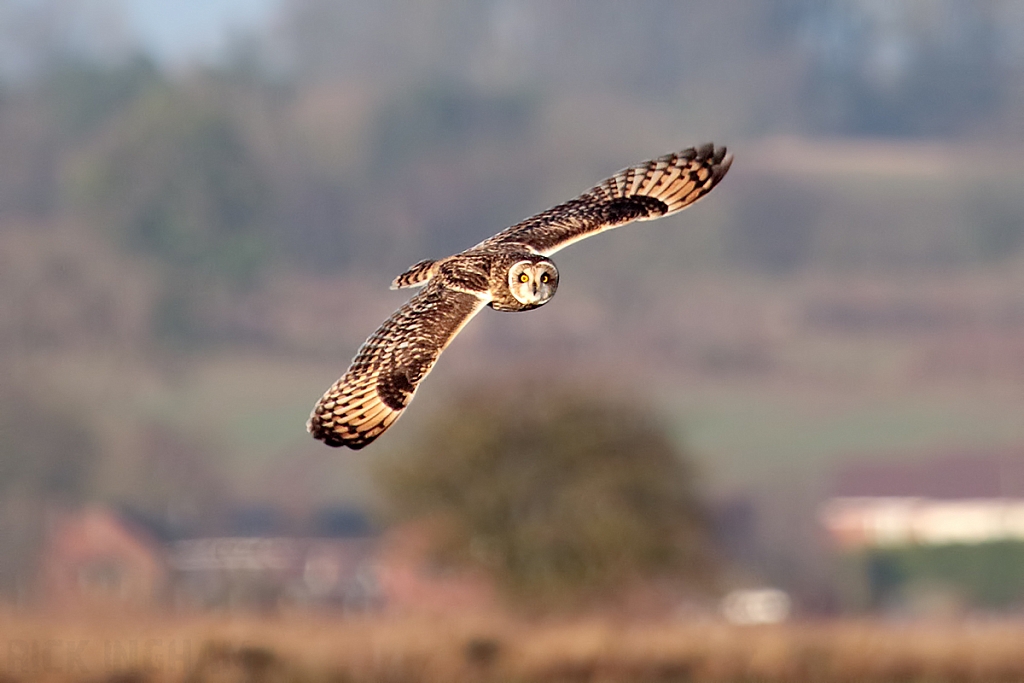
pixel 508 272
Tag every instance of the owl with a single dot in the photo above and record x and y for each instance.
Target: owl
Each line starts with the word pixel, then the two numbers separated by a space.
pixel 510 271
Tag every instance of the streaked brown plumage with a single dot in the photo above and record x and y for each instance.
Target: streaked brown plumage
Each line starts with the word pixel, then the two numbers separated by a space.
pixel 508 272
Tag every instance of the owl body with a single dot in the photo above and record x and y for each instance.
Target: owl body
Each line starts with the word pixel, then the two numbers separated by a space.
pixel 508 272
pixel 511 277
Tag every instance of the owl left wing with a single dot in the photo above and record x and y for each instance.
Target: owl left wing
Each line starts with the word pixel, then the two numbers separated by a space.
pixel 655 188
pixel 389 366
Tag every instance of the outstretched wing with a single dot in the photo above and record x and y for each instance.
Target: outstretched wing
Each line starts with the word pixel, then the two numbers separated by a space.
pixel 653 189
pixel 384 375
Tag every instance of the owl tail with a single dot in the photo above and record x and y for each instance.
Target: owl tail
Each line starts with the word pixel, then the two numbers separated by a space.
pixel 416 276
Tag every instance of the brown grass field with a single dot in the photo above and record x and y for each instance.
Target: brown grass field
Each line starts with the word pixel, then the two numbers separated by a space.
pixel 309 648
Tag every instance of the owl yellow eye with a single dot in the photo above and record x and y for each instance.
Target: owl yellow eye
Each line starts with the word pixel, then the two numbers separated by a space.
pixel 544 278
pixel 524 278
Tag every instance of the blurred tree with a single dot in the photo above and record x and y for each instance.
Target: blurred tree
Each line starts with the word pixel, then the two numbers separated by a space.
pixel 442 115
pixel 80 95
pixel 176 178
pixel 35 35
pixel 562 497
pixel 433 145
pixel 901 69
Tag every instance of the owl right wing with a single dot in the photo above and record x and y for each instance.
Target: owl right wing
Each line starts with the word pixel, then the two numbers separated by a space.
pixel 389 366
pixel 652 189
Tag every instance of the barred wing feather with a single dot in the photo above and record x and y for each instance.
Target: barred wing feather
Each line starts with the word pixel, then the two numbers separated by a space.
pixel 389 366
pixel 656 188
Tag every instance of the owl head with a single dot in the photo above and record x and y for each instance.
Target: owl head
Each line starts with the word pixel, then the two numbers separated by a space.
pixel 533 282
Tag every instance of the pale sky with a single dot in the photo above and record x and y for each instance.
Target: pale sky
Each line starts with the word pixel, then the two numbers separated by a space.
pixel 181 30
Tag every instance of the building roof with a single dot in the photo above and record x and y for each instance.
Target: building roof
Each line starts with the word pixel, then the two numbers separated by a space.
pixel 948 476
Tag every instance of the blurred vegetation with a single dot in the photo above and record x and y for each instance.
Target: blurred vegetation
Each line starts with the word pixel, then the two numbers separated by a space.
pixel 441 116
pixel 44 453
pixel 82 95
pixel 997 211
pixel 360 137
pixel 989 575
pixel 291 649
pixel 48 456
pixel 560 496
pixel 363 136
pixel 175 178
pixel 873 76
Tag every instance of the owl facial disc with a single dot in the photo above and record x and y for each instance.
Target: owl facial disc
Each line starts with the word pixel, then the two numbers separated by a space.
pixel 533 283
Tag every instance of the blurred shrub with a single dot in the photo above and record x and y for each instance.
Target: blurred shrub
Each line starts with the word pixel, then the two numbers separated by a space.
pixel 988 575
pixel 563 497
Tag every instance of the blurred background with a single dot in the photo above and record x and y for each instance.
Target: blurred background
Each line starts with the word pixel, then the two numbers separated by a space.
pixel 810 387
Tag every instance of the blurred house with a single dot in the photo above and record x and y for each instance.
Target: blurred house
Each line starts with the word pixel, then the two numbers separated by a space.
pixel 352 571
pixel 412 581
pixel 266 572
pixel 857 522
pixel 100 557
pixel 951 524
pixel 948 499
pixel 96 558
pixel 262 563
